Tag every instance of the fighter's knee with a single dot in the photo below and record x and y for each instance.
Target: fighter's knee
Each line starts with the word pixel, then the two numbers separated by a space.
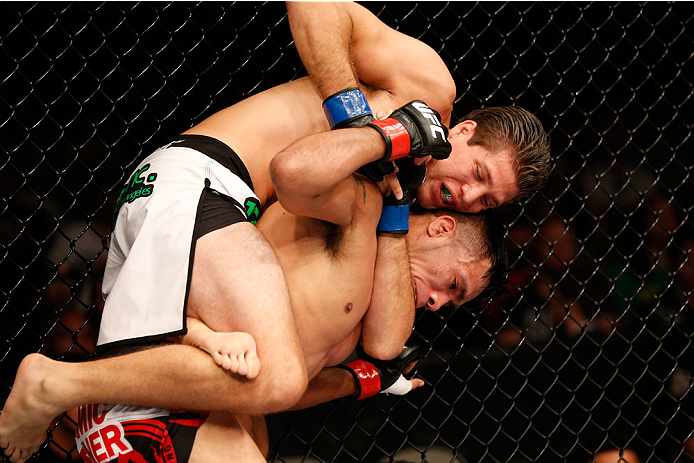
pixel 296 386
pixel 285 365
pixel 286 390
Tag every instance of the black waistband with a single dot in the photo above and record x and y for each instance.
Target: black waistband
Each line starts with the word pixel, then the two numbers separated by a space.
pixel 218 151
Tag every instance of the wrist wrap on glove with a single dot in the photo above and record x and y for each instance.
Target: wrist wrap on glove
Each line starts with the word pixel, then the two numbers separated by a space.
pixel 414 130
pixel 347 108
pixel 373 375
pixel 395 216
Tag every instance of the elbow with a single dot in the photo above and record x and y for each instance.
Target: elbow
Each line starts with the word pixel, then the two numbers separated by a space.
pixel 283 173
pixel 383 351
pixel 443 98
pixel 291 181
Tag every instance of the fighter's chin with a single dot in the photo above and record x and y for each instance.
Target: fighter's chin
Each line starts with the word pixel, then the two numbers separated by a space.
pixel 425 200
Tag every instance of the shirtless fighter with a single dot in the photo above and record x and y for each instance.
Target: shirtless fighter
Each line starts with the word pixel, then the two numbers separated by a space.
pixel 323 231
pixel 233 258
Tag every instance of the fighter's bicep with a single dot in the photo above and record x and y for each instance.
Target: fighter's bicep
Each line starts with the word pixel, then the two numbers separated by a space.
pixel 402 65
pixel 336 205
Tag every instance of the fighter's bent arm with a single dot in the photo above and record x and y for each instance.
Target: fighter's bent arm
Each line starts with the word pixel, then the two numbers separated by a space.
pixel 336 383
pixel 322 36
pixel 330 384
pixel 313 176
pixel 392 300
pixel 342 44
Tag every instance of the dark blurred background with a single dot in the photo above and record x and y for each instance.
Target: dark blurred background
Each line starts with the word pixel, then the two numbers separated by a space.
pixel 590 350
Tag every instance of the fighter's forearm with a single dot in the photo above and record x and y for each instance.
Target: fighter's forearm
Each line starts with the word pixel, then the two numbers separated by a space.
pixel 322 34
pixel 329 384
pixel 342 44
pixel 308 173
pixel 388 323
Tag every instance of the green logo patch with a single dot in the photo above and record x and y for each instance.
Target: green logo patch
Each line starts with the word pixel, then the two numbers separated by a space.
pixel 139 186
pixel 252 207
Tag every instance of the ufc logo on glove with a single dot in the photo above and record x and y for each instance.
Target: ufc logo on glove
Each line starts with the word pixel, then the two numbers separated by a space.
pixel 429 114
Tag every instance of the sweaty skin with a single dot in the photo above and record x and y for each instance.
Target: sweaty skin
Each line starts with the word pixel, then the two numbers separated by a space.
pixel 329 271
pixel 256 128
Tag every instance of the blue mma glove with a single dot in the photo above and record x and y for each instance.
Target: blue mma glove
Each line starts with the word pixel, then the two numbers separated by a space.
pixel 395 216
pixel 347 108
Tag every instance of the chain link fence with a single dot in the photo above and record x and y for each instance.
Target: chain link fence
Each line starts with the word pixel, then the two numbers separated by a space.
pixel 591 348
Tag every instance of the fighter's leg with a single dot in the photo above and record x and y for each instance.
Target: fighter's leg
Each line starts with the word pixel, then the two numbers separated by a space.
pixel 256 425
pixel 223 438
pixel 27 413
pixel 44 388
pixel 235 352
pixel 237 285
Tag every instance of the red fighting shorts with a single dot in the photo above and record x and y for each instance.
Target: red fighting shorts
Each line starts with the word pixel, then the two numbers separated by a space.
pixel 134 434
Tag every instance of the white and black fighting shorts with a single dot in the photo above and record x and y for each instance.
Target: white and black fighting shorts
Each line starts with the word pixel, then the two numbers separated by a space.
pixel 190 187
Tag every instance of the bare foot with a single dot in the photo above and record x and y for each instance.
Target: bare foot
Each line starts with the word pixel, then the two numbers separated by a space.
pixel 27 413
pixel 235 352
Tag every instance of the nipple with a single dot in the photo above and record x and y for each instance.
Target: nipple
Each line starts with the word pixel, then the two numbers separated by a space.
pixel 348 307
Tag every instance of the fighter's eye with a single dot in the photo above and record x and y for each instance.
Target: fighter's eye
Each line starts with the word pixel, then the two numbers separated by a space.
pixel 454 285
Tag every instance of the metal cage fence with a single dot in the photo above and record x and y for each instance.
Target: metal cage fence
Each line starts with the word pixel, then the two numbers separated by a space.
pixel 590 349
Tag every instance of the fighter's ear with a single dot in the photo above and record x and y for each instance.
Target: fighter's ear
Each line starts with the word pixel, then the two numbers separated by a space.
pixel 463 128
pixel 443 225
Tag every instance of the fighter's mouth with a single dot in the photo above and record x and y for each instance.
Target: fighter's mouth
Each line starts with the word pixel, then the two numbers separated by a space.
pixel 446 196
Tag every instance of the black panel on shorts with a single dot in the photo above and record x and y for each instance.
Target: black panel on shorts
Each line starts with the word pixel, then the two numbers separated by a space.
pixel 217 211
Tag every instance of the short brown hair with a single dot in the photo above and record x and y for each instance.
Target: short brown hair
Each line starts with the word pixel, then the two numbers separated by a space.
pixel 513 127
pixel 486 232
